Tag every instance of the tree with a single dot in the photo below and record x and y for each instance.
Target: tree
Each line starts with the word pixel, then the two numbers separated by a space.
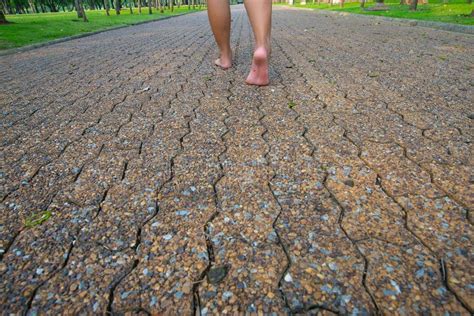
pixel 84 17
pixel 32 6
pixel 107 7
pixel 413 5
pixel 118 6
pixel 149 7
pixel 80 10
pixel 3 20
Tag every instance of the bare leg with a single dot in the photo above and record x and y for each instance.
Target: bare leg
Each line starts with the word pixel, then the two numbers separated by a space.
pixel 218 12
pixel 260 16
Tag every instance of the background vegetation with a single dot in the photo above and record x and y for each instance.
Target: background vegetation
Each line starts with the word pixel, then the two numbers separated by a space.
pixel 33 21
pixel 448 11
pixel 25 27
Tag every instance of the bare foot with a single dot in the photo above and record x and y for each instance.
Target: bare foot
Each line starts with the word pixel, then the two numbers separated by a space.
pixel 259 71
pixel 224 61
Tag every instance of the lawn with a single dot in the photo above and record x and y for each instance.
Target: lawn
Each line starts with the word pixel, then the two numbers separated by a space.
pixel 456 11
pixel 29 29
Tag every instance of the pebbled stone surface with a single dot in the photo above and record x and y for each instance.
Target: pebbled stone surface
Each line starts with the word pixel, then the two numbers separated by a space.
pixel 137 178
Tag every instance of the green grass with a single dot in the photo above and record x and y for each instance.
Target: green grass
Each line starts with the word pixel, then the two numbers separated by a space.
pixel 456 11
pixel 37 219
pixel 29 29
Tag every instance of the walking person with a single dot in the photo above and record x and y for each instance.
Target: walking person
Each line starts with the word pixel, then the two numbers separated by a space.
pixel 260 16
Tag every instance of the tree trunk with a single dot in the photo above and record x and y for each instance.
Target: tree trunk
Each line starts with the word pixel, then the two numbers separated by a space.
pixel 52 6
pixel 78 9
pixel 130 5
pixel 403 2
pixel 84 17
pixel 32 6
pixel 118 6
pixel 362 3
pixel 139 6
pixel 107 7
pixel 149 7
pixel 194 4
pixel 160 6
pixel 341 3
pixel 3 20
pixel 3 7
pixel 413 5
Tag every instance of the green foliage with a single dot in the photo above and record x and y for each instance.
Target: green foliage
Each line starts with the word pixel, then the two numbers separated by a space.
pixel 291 104
pixel 29 29
pixel 37 219
pixel 455 11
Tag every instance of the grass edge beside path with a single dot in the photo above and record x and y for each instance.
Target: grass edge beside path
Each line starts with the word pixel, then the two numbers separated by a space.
pixel 455 12
pixel 34 30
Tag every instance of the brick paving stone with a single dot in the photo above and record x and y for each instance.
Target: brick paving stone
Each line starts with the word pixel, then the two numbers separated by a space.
pixel 167 186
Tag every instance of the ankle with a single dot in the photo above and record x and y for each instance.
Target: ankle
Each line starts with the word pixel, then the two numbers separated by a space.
pixel 263 44
pixel 227 52
pixel 261 52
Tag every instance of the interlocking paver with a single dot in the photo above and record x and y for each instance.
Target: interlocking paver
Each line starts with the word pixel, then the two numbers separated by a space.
pixel 172 187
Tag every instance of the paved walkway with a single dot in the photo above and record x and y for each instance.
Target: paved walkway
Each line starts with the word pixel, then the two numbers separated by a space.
pixel 136 177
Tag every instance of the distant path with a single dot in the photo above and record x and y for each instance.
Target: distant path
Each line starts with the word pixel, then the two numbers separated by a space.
pixel 167 185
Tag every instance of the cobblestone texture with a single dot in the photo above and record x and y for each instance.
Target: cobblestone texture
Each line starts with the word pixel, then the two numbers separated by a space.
pixel 169 186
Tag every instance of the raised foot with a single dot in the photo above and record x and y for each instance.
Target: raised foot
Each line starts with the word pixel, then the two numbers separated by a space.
pixel 259 71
